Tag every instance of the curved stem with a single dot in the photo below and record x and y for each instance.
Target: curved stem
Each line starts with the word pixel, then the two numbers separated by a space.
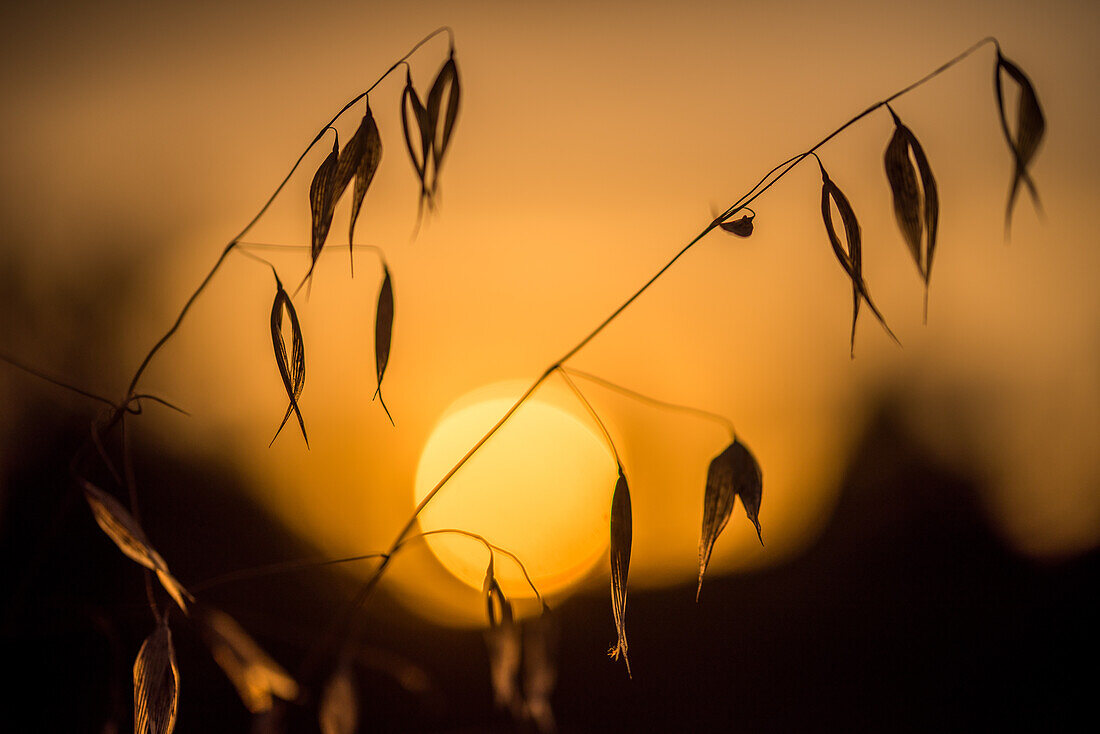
pixel 146 396
pixel 481 442
pixel 104 456
pixel 716 417
pixel 257 258
pixel 272 569
pixel 592 412
pixel 54 381
pixel 491 546
pixel 135 511
pixel 242 246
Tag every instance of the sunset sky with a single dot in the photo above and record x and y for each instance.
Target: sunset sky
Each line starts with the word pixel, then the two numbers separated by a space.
pixel 592 143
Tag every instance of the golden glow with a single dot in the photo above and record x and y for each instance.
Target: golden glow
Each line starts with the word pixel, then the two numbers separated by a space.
pixel 540 488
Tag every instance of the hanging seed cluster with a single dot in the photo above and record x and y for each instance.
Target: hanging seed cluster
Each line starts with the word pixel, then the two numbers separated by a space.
pixel 433 127
pixel 257 677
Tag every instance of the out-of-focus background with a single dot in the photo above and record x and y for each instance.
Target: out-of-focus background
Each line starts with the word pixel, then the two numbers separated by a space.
pixel 931 513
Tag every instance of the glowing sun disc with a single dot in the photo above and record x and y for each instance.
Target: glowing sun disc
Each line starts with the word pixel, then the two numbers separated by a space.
pixel 540 488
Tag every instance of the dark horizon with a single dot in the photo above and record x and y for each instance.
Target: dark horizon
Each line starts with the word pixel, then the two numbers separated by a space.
pixel 930 510
pixel 907 614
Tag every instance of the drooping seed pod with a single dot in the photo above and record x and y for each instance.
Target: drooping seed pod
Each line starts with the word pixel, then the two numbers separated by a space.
pixel 292 369
pixel 622 529
pixel 1030 128
pixel 916 207
pixel 851 259
pixel 156 683
pixel 733 473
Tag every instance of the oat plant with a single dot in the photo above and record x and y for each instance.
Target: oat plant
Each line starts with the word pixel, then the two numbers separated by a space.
pixel 326 681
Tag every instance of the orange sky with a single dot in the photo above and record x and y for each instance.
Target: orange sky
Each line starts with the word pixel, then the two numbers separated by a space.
pixel 593 142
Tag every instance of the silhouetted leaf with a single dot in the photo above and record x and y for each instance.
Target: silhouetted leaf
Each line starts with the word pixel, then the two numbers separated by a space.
pixel 852 258
pixel 254 674
pixel 917 209
pixel 292 370
pixel 733 473
pixel 931 202
pixel 339 711
pixel 741 227
pixel 621 533
pixel 447 79
pixel 322 203
pixel 383 330
pixel 1030 127
pixel 503 643
pixel 121 527
pixel 902 176
pixel 359 158
pixel 156 683
pixel 425 134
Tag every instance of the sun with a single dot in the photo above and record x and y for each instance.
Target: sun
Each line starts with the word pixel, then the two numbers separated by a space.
pixel 540 488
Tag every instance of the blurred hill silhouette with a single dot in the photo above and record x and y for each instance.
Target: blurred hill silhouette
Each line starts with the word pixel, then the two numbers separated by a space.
pixel 907 614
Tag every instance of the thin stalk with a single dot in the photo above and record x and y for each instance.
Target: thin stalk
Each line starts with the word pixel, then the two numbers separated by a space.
pixel 18 364
pixel 352 639
pixel 135 511
pixel 281 567
pixel 367 589
pixel 257 258
pixel 242 246
pixel 706 414
pixel 104 456
pixel 273 569
pixel 592 412
pixel 491 546
pixel 146 396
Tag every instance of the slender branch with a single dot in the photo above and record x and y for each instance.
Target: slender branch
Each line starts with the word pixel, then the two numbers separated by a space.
pixel 135 511
pixel 481 442
pixel 242 246
pixel 491 546
pixel 263 261
pixel 352 640
pixel 146 396
pixel 272 569
pixel 104 456
pixel 53 380
pixel 368 588
pixel 716 417
pixel 276 246
pixel 592 412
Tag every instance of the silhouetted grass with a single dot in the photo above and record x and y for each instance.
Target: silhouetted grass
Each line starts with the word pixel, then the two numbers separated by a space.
pixel 327 681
